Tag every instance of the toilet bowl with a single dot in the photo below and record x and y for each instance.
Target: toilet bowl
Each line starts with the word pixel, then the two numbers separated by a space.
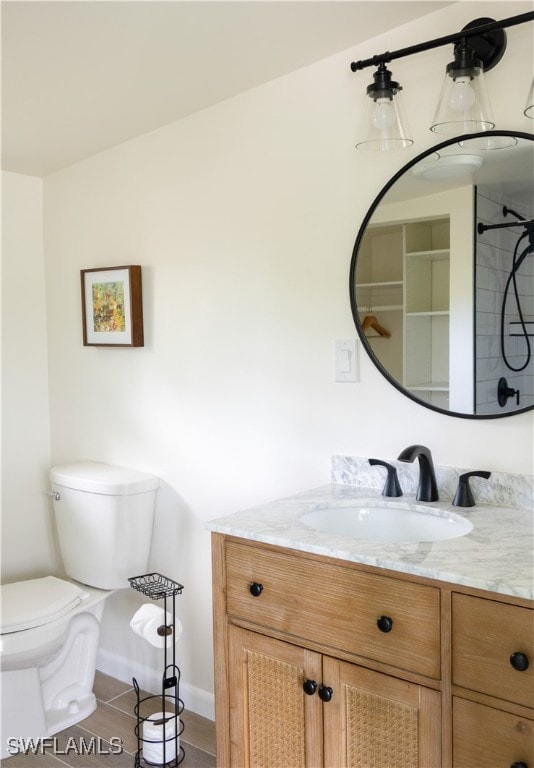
pixel 50 626
pixel 48 644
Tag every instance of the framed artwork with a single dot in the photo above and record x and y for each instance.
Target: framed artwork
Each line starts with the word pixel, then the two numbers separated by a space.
pixel 112 307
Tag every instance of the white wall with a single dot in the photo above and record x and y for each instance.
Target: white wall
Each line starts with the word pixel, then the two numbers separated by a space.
pixel 27 544
pixel 243 218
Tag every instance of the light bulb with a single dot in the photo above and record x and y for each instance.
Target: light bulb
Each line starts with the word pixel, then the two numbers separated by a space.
pixel 383 114
pixel 462 95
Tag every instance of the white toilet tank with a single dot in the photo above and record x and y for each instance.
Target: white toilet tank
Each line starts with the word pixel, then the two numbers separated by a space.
pixel 104 518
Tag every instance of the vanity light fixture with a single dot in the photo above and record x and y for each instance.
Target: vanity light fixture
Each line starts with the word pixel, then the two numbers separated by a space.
pixel 464 105
pixel 387 126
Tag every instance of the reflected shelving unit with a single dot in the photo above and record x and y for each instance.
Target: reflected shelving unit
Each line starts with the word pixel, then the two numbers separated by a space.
pixel 380 291
pixel 427 309
pixel 403 276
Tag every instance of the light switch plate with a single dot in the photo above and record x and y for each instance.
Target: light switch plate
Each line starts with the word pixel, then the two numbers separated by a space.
pixel 346 360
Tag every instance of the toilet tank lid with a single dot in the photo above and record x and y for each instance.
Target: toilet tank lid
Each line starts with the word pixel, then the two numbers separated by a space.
pixel 31 603
pixel 95 477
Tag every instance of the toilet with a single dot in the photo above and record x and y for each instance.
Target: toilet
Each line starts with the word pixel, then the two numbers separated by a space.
pixel 49 626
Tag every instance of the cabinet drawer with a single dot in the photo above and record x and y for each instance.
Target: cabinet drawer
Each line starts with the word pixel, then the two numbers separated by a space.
pixel 485 635
pixel 336 606
pixel 486 737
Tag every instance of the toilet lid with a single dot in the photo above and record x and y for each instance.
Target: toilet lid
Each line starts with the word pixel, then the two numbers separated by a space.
pixel 27 604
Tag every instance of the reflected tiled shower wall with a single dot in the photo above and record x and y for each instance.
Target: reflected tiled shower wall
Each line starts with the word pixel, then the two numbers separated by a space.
pixel 494 257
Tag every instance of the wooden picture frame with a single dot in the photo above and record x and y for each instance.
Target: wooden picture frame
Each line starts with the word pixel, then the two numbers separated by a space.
pixel 112 307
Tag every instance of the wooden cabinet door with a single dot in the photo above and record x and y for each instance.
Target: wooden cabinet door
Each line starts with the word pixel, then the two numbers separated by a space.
pixel 273 722
pixel 374 720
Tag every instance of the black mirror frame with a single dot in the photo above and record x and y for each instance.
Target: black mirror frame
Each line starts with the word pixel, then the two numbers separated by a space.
pixel 353 263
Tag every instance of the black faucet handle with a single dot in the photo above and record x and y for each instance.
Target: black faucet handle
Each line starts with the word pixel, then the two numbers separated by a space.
pixel 464 496
pixel 504 392
pixel 392 486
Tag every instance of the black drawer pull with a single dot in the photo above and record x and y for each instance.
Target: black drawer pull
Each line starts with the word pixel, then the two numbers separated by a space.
pixel 384 623
pixel 256 589
pixel 520 662
pixel 325 693
pixel 310 686
pixel 519 764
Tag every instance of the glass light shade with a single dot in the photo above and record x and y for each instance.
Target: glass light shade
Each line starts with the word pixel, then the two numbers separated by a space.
pixel 529 106
pixel 463 104
pixel 386 125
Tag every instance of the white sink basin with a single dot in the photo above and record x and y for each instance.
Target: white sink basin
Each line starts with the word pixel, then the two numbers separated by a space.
pixel 380 520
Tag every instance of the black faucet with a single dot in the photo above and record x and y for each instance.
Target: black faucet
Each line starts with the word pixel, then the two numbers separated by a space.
pixel 428 488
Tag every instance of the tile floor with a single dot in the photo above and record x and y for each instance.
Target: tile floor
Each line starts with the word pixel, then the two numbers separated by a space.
pixel 113 724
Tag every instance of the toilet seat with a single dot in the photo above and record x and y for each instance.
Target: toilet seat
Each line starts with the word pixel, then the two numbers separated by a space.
pixel 24 648
pixel 32 603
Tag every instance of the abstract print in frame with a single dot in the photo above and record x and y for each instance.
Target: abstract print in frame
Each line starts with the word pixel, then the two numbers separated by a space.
pixel 112 307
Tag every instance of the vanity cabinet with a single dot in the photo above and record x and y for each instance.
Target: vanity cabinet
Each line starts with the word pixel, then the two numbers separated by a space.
pixel 325 663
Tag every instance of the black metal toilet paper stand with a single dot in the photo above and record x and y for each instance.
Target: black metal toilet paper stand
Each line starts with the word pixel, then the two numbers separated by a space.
pixel 158 587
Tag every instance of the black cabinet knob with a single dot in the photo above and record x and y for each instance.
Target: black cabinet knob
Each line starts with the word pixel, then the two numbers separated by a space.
pixel 310 686
pixel 519 764
pixel 519 661
pixel 325 693
pixel 256 589
pixel 384 623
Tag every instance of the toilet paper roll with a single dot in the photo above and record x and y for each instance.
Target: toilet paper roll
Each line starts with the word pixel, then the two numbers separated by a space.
pixel 157 729
pixel 148 623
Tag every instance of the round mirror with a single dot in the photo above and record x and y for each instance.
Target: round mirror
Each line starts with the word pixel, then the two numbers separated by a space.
pixel 442 277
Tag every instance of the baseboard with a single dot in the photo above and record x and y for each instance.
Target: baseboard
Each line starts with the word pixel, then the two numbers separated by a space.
pixel 195 699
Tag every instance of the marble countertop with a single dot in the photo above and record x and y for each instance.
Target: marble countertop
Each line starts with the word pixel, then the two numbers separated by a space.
pixel 497 555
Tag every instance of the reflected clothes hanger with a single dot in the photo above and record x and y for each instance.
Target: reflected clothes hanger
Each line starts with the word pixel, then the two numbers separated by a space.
pixel 371 322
